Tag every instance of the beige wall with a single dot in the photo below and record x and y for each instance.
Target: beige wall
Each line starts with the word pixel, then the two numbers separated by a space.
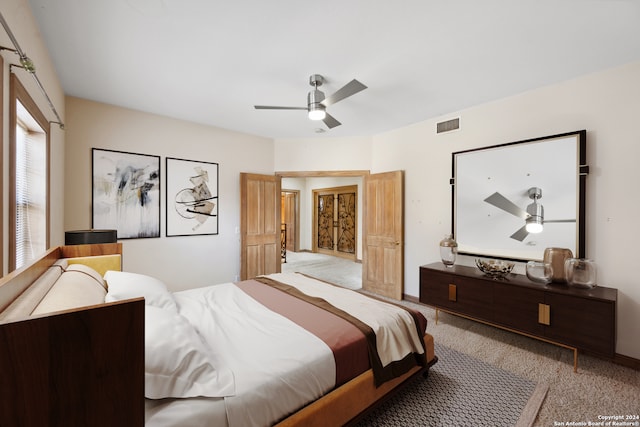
pixel 22 24
pixel 181 262
pixel 606 104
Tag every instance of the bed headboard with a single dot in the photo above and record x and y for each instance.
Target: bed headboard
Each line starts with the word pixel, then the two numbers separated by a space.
pixel 15 283
pixel 81 366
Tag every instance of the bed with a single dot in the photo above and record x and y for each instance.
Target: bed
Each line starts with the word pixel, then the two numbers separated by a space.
pixel 268 344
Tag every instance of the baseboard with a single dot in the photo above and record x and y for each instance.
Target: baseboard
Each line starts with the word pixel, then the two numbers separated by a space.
pixel 411 298
pixel 629 362
pixel 618 359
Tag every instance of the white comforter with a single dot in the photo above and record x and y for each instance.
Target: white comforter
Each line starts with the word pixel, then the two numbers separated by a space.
pixel 273 381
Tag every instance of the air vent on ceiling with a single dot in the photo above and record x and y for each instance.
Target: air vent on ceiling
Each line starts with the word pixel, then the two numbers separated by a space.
pixel 448 126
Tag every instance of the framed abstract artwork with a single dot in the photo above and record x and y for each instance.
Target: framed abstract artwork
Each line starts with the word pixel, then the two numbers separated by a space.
pixel 514 200
pixel 192 197
pixel 126 193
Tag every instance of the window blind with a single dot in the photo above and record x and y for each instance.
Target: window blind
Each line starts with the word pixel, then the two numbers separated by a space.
pixel 30 195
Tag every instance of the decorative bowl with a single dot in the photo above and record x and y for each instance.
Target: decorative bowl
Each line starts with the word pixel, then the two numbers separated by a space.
pixel 496 269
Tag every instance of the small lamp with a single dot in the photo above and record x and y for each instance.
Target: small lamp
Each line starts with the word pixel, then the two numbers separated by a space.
pixel 90 237
pixel 448 250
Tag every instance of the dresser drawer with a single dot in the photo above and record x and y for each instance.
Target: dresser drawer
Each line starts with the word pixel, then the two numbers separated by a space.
pixel 466 296
pixel 588 324
pixel 517 308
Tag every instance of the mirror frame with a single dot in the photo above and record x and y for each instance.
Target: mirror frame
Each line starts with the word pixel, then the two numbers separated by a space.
pixel 581 171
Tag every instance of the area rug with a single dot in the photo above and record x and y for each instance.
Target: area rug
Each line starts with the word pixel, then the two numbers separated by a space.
pixel 461 391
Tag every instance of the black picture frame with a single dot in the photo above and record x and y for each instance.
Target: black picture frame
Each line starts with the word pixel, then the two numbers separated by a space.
pixel 125 193
pixel 512 169
pixel 191 197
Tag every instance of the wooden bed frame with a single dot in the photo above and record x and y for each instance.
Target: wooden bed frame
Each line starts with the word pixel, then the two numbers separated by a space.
pixel 86 366
pixel 344 404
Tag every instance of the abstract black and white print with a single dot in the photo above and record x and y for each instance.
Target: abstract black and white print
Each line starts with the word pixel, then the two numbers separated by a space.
pixel 126 193
pixel 192 197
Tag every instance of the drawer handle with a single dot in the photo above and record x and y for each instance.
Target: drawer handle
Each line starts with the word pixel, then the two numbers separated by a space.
pixel 453 295
pixel 544 314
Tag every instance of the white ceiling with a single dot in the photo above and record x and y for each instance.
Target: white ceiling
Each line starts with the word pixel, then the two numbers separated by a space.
pixel 210 61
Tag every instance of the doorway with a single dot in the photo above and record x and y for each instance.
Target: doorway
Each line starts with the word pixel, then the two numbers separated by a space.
pixel 382 226
pixel 290 219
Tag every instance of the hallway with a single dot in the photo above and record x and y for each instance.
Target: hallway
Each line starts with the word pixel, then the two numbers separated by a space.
pixel 332 269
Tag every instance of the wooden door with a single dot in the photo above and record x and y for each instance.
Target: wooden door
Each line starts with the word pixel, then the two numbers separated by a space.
pixel 383 240
pixel 323 221
pixel 290 218
pixel 335 221
pixel 259 225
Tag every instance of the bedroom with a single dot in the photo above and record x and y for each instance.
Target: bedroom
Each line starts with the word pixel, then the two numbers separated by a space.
pixel 605 101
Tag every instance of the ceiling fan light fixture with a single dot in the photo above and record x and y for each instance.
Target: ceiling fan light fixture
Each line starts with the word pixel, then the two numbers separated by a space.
pixel 316 112
pixel 534 225
pixel 316 109
pixel 536 217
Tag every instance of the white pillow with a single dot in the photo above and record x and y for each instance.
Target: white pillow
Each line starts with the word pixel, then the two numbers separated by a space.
pixel 84 269
pixel 122 285
pixel 72 290
pixel 177 362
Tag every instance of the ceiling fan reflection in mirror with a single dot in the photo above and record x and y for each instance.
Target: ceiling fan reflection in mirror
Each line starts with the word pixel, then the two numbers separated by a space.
pixel 317 103
pixel 533 216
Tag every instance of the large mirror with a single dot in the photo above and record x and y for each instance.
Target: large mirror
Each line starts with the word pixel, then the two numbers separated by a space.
pixel 511 201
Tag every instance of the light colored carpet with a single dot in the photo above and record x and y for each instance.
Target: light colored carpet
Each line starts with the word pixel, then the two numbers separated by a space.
pixel 599 388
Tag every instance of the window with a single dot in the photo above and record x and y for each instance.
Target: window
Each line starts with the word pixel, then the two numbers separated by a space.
pixel 29 175
pixel 31 201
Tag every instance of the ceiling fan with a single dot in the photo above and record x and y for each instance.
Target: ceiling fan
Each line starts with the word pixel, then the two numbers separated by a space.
pixel 317 103
pixel 533 216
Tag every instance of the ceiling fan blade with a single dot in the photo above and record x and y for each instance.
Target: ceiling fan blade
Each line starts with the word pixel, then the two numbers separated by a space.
pixel 271 107
pixel 521 234
pixel 501 202
pixel 345 91
pixel 330 121
pixel 558 220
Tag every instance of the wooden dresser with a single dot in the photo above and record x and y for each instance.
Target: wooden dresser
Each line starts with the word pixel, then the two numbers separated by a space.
pixel 579 319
